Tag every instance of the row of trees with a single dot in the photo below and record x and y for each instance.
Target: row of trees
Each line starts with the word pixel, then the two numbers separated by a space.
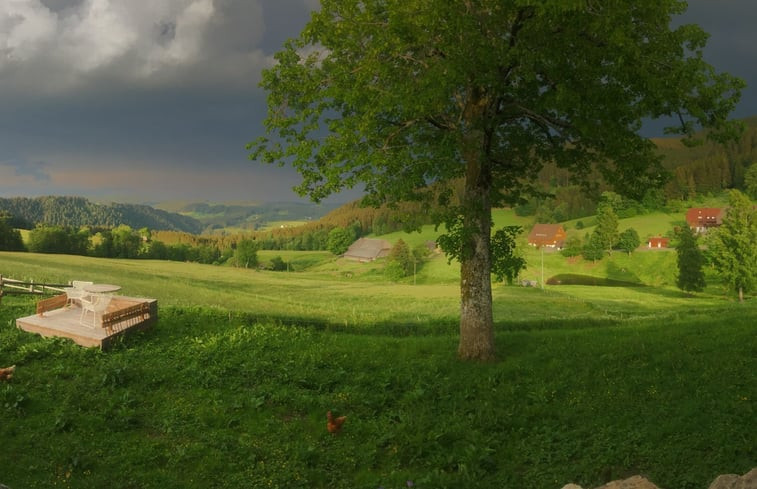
pixel 124 242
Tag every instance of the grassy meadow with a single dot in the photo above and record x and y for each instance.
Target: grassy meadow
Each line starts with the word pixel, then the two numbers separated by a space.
pixel 231 387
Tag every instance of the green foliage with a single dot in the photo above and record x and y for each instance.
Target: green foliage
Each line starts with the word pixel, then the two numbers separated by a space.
pixel 733 246
pixel 594 248
pixel 412 62
pixel 507 260
pixel 56 239
pixel 278 264
pixel 606 231
pixel 10 238
pixel 629 240
pixel 246 254
pixel 690 262
pixel 340 240
pixel 573 246
pixel 400 253
pixel 394 271
pixel 750 181
pixel 119 242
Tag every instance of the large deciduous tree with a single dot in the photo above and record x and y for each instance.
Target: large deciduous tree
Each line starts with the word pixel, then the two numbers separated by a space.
pixel 401 94
pixel 733 246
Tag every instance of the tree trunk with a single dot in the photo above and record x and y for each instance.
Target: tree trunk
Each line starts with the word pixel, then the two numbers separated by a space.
pixel 476 322
pixel 741 294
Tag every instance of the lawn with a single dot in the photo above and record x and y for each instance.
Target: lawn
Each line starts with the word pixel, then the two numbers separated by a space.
pixel 231 387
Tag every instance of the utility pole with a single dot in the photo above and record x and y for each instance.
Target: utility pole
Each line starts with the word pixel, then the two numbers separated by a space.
pixel 414 260
pixel 542 266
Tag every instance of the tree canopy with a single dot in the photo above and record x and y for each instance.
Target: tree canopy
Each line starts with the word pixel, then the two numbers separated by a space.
pixel 402 96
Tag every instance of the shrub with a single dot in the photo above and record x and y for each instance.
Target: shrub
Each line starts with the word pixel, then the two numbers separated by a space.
pixel 340 240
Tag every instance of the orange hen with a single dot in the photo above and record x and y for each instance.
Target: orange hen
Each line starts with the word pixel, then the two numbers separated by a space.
pixel 7 373
pixel 334 424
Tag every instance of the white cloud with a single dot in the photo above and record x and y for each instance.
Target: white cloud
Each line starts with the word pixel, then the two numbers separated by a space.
pixel 134 41
pixel 25 28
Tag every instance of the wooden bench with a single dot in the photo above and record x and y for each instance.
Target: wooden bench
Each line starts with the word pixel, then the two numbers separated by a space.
pixel 52 303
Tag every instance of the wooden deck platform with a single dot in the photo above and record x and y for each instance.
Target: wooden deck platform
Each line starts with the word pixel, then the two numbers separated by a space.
pixel 124 314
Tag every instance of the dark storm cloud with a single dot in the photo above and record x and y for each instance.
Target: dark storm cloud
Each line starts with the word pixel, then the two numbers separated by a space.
pixel 732 45
pixel 166 91
pixel 34 171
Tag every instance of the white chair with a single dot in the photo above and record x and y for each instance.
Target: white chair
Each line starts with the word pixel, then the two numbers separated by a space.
pixel 97 304
pixel 76 292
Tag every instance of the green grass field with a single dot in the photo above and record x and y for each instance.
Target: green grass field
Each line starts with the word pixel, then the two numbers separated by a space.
pixel 231 387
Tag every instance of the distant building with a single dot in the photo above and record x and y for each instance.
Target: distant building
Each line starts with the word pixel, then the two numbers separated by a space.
pixel 700 219
pixel 548 235
pixel 658 242
pixel 365 250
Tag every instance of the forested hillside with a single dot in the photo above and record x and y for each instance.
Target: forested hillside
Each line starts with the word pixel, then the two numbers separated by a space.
pixel 708 168
pixel 78 211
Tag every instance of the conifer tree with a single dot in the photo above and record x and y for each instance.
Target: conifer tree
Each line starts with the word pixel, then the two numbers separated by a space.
pixel 607 227
pixel 690 262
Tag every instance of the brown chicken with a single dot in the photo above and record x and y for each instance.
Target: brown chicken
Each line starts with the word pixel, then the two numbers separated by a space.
pixel 7 373
pixel 334 424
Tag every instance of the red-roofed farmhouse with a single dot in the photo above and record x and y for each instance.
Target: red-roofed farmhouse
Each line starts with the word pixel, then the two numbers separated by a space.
pixel 549 235
pixel 700 219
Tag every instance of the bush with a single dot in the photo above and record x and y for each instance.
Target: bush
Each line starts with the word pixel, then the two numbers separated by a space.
pixel 394 271
pixel 278 264
pixel 594 249
pixel 400 253
pixel 572 247
pixel 246 255
pixel 629 240
pixel 340 240
pixel 10 238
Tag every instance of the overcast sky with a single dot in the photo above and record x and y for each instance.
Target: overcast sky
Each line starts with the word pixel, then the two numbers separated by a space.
pixel 154 100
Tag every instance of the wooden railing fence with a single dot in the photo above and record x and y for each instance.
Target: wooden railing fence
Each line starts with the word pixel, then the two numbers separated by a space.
pixel 11 286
